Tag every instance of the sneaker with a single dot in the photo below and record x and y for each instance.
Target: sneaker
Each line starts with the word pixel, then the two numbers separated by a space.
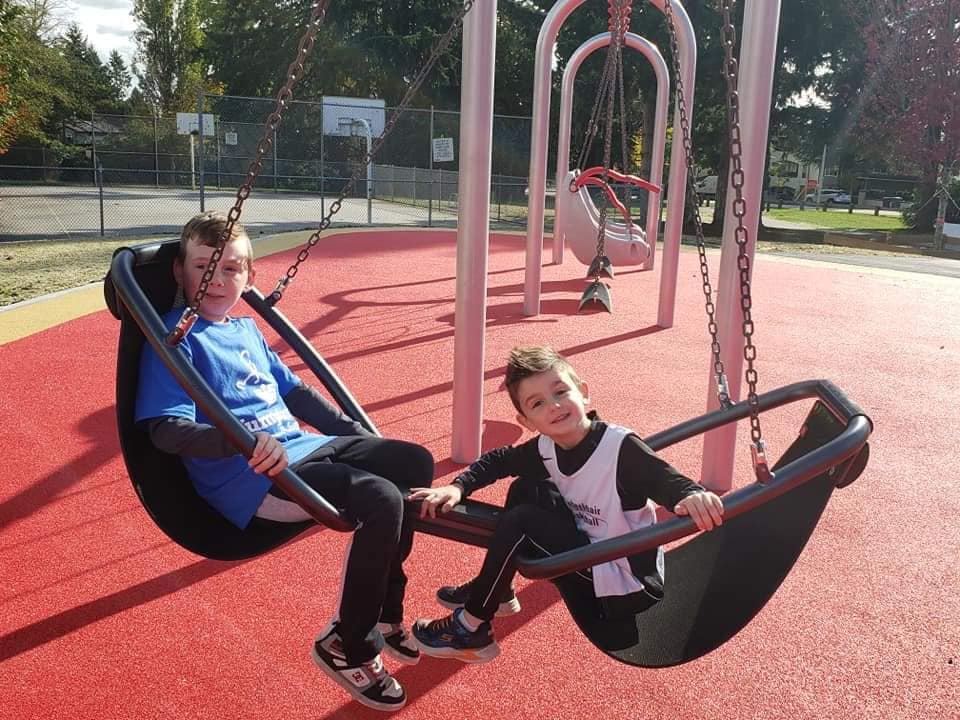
pixel 369 683
pixel 398 643
pixel 450 638
pixel 455 596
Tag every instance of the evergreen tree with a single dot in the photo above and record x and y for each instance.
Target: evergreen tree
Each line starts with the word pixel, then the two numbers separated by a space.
pixel 167 63
pixel 119 75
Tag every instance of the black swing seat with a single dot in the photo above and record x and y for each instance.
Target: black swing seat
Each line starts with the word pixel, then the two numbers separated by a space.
pixel 716 582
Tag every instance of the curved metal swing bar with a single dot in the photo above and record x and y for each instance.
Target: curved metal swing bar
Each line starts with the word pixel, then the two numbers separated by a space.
pixel 149 322
pixel 847 445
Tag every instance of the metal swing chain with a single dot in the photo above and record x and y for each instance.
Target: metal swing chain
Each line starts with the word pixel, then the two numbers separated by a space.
pixel 318 13
pixel 758 448
pixel 740 234
pixel 304 253
pixel 619 19
pixel 623 141
pixel 594 123
pixel 723 393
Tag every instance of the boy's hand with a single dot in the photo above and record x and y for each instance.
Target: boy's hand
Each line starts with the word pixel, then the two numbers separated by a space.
pixel 268 457
pixel 705 508
pixel 443 497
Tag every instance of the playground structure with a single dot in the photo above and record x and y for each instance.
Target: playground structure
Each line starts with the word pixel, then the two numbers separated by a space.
pixel 592 695
pixel 832 450
pixel 757 61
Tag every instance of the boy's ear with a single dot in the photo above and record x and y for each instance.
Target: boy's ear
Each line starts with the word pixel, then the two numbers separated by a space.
pixel 522 419
pixel 585 391
pixel 251 276
pixel 178 271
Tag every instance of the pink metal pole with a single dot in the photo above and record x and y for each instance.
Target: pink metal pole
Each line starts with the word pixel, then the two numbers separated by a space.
pixel 539 132
pixel 758 59
pixel 652 53
pixel 473 228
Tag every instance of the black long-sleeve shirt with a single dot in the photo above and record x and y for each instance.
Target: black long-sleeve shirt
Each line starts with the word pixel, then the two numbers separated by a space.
pixel 641 474
pixel 180 436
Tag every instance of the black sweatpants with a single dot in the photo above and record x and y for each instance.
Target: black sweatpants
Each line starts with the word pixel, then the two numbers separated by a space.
pixel 536 522
pixel 367 478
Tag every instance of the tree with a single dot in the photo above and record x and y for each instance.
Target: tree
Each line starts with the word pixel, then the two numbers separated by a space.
pixel 912 103
pixel 31 79
pixel 87 80
pixel 167 62
pixel 43 19
pixel 119 75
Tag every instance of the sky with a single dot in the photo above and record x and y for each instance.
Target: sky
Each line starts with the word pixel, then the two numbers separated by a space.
pixel 107 24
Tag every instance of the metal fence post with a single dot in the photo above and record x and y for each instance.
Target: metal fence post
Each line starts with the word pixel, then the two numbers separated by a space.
pixel 216 134
pixel 200 151
pixel 322 201
pixel 430 194
pixel 156 153
pixel 93 147
pixel 99 175
pixel 275 189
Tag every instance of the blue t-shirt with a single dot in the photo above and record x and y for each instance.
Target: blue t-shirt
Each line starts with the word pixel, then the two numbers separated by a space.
pixel 251 380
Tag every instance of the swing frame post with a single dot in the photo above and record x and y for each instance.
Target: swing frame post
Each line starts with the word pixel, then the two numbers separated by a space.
pixel 757 63
pixel 473 228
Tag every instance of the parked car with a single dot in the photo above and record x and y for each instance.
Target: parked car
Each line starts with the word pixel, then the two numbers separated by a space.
pixel 834 197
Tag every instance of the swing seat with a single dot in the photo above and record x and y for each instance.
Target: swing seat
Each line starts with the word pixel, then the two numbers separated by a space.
pixel 719 580
pixel 716 582
pixel 580 220
pixel 160 479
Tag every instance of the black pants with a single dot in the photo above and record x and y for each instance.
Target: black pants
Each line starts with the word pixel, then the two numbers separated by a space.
pixel 367 478
pixel 536 522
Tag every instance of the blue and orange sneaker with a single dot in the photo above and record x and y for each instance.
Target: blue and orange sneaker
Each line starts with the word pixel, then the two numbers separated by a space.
pixel 449 638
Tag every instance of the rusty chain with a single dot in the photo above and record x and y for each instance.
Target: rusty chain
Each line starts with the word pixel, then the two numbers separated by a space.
pixel 304 253
pixel 294 71
pixel 318 13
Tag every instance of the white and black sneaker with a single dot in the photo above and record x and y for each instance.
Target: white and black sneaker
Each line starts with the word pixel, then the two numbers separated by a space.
pixel 455 596
pixel 369 683
pixel 399 644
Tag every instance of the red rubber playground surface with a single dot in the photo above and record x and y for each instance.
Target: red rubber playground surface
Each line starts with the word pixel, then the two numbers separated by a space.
pixel 102 617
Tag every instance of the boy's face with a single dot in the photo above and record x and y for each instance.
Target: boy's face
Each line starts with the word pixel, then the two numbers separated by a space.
pixel 234 275
pixel 552 404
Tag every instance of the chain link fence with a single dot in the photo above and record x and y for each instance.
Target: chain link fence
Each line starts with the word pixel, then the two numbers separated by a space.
pixel 135 176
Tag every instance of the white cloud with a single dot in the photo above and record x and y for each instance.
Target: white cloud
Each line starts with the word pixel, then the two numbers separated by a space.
pixel 108 25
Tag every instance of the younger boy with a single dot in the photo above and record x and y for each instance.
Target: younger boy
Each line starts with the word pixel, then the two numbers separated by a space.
pixel 347 465
pixel 580 480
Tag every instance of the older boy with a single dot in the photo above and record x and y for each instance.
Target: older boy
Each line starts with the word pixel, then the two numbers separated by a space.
pixel 580 480
pixel 346 464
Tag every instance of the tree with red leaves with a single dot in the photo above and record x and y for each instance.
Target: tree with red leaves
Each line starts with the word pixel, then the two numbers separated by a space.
pixel 911 92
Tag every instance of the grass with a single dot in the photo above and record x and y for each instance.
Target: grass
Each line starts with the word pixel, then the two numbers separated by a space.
pixel 839 219
pixel 38 267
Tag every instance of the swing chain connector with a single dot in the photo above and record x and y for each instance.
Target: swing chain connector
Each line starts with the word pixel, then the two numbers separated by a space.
pixel 278 291
pixel 723 391
pixel 183 327
pixel 759 452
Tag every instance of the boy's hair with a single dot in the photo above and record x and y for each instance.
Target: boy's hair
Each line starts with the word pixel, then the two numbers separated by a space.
pixel 525 362
pixel 206 228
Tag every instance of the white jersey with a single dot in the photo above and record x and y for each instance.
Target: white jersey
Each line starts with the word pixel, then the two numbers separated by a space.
pixel 591 494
